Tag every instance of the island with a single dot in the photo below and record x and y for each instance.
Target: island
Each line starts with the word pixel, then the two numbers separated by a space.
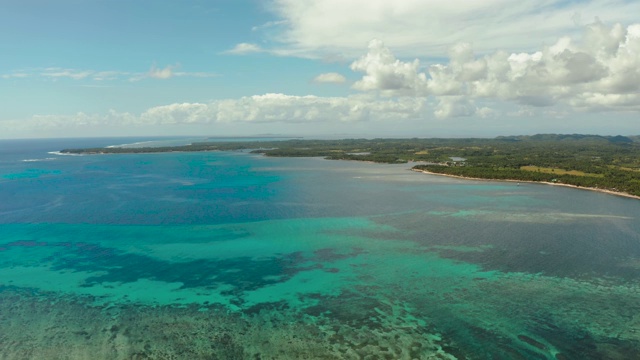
pixel 605 163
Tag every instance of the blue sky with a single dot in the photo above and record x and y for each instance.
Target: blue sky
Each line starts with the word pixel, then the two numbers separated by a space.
pixel 321 68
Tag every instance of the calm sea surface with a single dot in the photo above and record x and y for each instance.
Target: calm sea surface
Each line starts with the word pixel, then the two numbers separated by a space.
pixel 230 255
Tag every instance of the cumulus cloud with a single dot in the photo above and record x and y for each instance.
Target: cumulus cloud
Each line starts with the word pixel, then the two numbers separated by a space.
pixel 600 71
pixel 288 108
pixel 332 77
pixel 184 113
pixel 454 106
pixel 244 48
pixel 384 72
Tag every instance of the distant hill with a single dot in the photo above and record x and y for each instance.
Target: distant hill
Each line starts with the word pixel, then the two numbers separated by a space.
pixel 618 139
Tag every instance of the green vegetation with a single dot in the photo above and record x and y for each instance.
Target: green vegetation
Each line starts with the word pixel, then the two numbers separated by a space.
pixel 554 171
pixel 606 162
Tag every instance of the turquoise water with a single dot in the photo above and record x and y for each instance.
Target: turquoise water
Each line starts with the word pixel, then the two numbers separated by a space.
pixel 234 256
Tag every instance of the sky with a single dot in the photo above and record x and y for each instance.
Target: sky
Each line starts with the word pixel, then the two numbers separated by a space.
pixel 318 68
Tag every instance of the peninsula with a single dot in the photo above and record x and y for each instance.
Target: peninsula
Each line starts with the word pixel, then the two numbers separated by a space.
pixel 609 163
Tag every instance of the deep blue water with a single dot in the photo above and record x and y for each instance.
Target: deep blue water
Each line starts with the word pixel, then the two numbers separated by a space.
pixel 358 259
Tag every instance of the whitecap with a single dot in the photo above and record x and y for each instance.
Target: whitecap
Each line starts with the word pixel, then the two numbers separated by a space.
pixel 38 160
pixel 62 154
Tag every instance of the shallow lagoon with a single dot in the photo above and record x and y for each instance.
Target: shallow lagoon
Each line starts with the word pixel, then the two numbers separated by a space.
pixel 231 255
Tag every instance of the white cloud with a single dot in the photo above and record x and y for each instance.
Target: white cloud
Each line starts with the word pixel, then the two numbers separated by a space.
pixel 107 75
pixel 244 48
pixel 14 75
pixel 428 28
pixel 68 73
pixel 485 112
pixel 332 77
pixel 384 72
pixel 65 125
pixel 196 74
pixel 454 106
pixel 268 25
pixel 295 109
pixel 259 109
pixel 164 73
pixel 600 71
pixel 75 74
pixel 355 115
pixel 184 113
pixel 56 73
pixel 607 102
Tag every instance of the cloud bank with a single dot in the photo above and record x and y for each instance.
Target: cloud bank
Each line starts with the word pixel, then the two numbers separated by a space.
pixel 278 108
pixel 427 28
pixel 601 71
pixel 259 109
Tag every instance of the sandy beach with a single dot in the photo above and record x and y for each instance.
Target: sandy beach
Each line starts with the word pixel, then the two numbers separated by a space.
pixel 611 192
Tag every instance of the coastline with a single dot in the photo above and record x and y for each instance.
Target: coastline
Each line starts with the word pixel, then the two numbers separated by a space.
pixel 110 150
pixel 605 191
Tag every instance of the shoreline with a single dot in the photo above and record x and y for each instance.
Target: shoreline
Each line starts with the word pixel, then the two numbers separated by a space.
pixel 604 191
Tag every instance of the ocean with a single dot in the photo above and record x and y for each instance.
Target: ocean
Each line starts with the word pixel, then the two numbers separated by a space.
pixel 233 255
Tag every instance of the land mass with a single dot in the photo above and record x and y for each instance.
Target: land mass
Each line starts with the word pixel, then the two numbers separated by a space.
pixel 610 163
